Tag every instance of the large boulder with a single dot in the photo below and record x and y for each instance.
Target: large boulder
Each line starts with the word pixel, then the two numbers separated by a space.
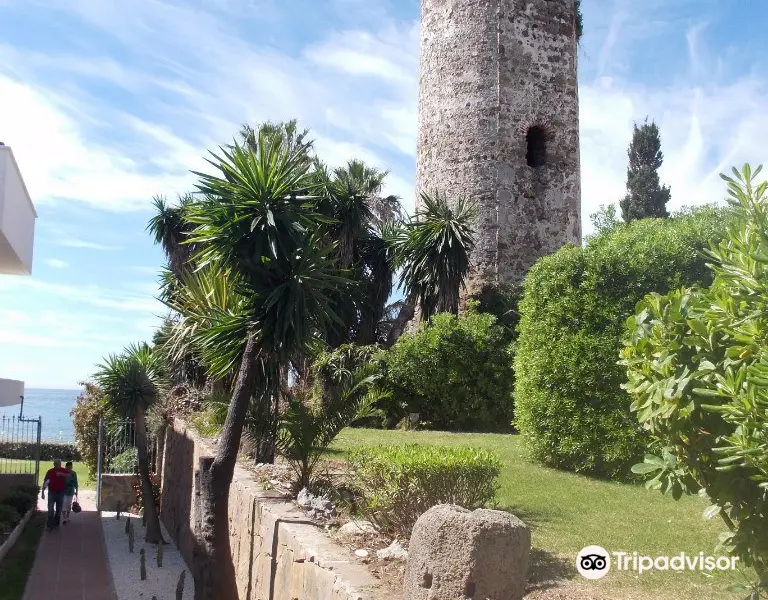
pixel 457 553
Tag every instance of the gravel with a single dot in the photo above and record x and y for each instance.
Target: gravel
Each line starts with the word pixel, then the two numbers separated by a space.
pixel 160 582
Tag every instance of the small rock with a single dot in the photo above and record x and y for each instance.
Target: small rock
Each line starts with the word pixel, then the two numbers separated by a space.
pixel 394 550
pixel 361 553
pixel 304 499
pixel 274 481
pixel 356 529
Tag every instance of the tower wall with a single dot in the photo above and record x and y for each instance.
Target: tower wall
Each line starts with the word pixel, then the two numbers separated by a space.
pixel 490 70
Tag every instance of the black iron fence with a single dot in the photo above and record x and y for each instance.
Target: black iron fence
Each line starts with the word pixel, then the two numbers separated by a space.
pixel 118 454
pixel 20 445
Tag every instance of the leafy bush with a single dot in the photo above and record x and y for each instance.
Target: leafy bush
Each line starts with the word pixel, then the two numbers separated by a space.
pixel 570 407
pixel 20 499
pixel 331 369
pixel 399 483
pixel 48 451
pixel 125 462
pixel 502 302
pixel 698 375
pixel 88 409
pixel 313 420
pixel 9 516
pixel 456 372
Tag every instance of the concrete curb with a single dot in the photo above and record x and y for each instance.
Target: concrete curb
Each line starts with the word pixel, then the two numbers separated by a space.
pixel 16 534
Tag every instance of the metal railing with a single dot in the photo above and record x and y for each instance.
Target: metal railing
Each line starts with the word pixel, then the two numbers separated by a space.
pixel 20 445
pixel 118 453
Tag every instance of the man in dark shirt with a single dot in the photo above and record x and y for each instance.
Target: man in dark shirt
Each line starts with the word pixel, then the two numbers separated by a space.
pixel 56 482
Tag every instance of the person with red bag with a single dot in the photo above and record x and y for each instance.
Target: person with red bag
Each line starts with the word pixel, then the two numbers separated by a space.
pixel 56 482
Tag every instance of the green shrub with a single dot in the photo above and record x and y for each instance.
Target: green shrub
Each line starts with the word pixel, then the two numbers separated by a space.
pixel 456 372
pixel 698 375
pixel 20 499
pixel 125 462
pixel 399 483
pixel 502 302
pixel 570 407
pixel 315 416
pixel 88 409
pixel 9 516
pixel 48 451
pixel 207 422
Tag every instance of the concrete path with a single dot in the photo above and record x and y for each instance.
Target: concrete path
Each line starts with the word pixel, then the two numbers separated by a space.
pixel 71 562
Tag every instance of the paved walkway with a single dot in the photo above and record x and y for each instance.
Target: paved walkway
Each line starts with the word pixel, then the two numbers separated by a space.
pixel 71 562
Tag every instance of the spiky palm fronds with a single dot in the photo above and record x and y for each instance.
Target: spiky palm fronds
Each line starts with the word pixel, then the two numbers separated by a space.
pixel 212 320
pixel 169 229
pixel 131 380
pixel 311 422
pixel 435 254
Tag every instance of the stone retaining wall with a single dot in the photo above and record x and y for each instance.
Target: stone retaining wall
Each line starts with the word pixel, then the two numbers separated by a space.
pixel 278 554
pixel 117 490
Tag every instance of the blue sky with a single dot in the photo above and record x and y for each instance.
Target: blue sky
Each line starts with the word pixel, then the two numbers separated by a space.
pixel 107 103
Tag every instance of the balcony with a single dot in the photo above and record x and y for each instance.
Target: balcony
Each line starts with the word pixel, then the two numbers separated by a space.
pixel 17 218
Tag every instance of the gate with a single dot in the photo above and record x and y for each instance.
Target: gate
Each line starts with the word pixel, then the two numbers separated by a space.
pixel 118 463
pixel 19 450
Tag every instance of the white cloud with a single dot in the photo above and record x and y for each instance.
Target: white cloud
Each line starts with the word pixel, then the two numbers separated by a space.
pixel 705 130
pixel 67 166
pixel 87 294
pixel 73 242
pixel 368 77
pixel 56 263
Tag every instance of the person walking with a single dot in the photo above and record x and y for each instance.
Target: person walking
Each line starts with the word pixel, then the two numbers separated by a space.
pixel 55 481
pixel 70 491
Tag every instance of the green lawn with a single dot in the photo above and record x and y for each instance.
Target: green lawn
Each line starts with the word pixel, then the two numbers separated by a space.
pixel 24 466
pixel 567 512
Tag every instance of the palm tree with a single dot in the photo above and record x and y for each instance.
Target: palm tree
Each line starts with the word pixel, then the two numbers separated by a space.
pixel 433 252
pixel 356 204
pixel 132 383
pixel 352 198
pixel 315 416
pixel 257 219
pixel 170 230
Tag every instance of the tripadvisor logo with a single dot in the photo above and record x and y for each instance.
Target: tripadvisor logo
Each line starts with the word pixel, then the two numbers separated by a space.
pixel 594 562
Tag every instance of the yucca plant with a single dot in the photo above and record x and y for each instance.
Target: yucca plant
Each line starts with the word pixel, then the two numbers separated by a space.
pixel 434 253
pixel 255 218
pixel 132 382
pixel 315 416
pixel 169 229
pixel 211 322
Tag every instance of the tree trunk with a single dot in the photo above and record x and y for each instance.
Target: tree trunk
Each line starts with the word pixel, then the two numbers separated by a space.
pixel 218 386
pixel 153 534
pixel 407 310
pixel 219 582
pixel 265 429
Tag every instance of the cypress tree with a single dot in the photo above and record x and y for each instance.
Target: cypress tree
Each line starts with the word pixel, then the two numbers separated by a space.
pixel 646 197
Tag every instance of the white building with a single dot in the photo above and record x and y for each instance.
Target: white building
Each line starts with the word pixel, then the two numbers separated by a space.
pixel 17 237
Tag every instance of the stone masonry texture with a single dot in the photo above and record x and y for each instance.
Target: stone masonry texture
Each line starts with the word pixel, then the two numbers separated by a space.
pixel 117 490
pixel 489 71
pixel 277 552
pixel 456 554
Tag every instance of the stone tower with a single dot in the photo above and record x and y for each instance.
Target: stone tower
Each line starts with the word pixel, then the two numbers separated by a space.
pixel 499 123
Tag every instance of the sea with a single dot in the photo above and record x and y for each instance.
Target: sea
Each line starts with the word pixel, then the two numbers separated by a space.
pixel 53 406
